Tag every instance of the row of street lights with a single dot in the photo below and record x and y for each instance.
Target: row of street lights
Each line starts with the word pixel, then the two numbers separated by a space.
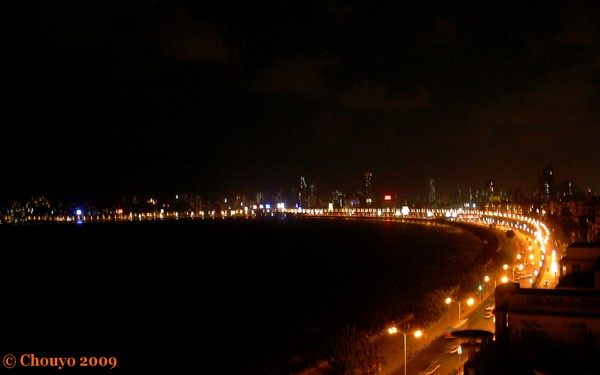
pixel 470 302
pixel 419 333
pixel 394 330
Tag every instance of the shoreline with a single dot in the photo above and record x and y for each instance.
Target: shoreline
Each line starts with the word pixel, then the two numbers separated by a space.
pixel 491 245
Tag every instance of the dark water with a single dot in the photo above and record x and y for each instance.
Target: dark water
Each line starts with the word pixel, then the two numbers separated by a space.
pixel 233 296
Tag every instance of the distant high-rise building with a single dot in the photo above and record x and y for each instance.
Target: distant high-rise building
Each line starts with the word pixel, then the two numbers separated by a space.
pixel 312 196
pixel 302 194
pixel 368 182
pixel 337 198
pixel 568 190
pixel 368 188
pixel 432 194
pixel 493 194
pixel 491 188
pixel 547 182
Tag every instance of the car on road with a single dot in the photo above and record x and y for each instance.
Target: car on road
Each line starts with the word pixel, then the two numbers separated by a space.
pixel 453 350
pixel 448 333
pixel 489 314
pixel 431 368
pixel 489 307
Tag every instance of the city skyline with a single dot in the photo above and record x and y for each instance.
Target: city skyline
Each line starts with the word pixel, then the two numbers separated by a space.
pixel 306 194
pixel 107 100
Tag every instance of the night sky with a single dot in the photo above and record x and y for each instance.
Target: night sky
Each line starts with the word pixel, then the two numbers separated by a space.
pixel 110 98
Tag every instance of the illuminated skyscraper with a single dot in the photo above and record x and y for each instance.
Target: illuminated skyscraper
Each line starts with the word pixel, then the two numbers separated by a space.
pixel 491 187
pixel 432 194
pixel 368 188
pixel 547 182
pixel 312 196
pixel 302 193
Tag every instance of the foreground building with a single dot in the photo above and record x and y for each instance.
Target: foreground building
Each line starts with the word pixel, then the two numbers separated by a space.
pixel 580 267
pixel 549 331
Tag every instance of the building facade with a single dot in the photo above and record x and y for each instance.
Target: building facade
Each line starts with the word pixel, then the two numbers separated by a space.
pixel 581 265
pixel 562 324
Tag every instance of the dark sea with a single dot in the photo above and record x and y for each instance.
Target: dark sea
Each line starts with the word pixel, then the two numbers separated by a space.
pixel 218 296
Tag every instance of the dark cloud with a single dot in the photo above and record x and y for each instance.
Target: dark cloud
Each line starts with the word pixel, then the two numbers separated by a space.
pixel 122 96
pixel 374 97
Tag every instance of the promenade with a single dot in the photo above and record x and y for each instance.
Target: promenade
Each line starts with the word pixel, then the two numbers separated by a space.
pixel 391 347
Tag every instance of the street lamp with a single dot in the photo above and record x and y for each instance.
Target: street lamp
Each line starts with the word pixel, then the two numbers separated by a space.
pixel 394 330
pixel 506 268
pixel 470 301
pixel 513 269
pixel 487 283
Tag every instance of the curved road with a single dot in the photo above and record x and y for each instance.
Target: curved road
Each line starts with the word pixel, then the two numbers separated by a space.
pixel 432 353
